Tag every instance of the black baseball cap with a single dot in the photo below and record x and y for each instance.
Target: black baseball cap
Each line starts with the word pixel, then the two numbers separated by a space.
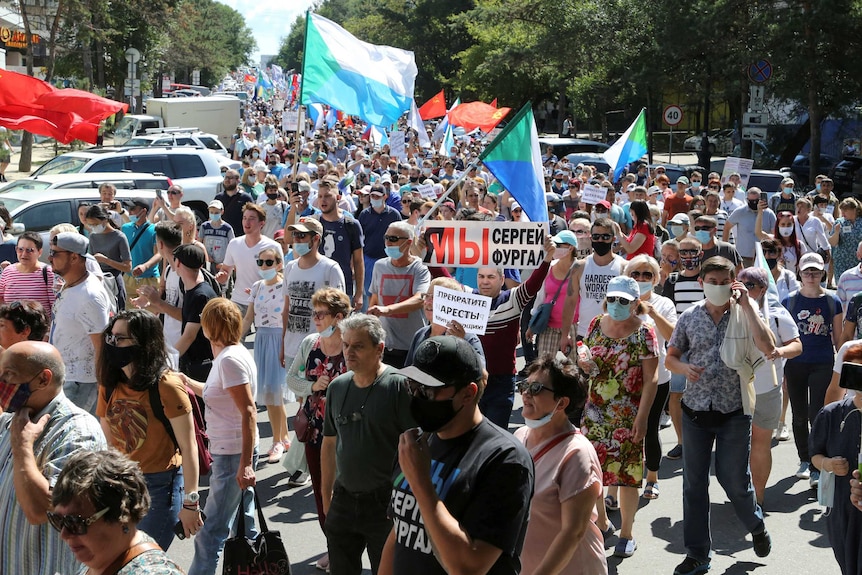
pixel 444 360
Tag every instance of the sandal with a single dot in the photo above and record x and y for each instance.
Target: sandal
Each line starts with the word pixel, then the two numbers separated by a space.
pixel 651 490
pixel 611 503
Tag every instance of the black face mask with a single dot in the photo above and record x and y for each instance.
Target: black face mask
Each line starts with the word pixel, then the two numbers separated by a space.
pixel 432 415
pixel 752 204
pixel 690 263
pixel 602 248
pixel 272 196
pixel 120 357
pixel 414 179
pixel 772 262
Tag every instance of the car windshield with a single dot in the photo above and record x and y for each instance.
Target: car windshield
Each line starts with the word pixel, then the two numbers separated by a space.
pixel 65 164
pixel 34 185
pixel 11 203
pixel 138 142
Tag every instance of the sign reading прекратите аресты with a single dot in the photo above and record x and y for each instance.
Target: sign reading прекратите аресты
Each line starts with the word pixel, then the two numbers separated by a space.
pixel 470 310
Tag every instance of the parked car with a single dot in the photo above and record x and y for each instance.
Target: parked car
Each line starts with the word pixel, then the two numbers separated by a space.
pixel 674 171
pixel 768 181
pixel 591 159
pixel 197 170
pixel 122 180
pixel 174 137
pixel 801 166
pixel 847 177
pixel 566 146
pixel 720 142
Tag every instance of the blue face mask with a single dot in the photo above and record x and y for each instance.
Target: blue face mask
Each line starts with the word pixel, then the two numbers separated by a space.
pixel 301 249
pixel 702 236
pixel 618 311
pixel 269 274
pixel 817 187
pixel 328 331
pixel 645 287
pixel 133 218
pixel 542 421
pixel 215 217
pixel 393 252
pixel 377 203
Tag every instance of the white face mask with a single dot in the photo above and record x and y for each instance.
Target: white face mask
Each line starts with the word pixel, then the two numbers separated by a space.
pixel 560 253
pixel 717 295
pixel 785 232
pixel 542 421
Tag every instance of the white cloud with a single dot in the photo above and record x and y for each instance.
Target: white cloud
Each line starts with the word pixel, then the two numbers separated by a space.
pixel 269 20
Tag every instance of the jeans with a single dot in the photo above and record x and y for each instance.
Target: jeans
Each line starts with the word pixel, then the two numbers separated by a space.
pixel 806 388
pixel 498 399
pixel 166 500
pixel 369 269
pixel 356 522
pixel 221 507
pixel 732 440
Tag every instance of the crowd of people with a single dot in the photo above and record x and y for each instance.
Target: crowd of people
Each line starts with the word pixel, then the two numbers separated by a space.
pixel 658 310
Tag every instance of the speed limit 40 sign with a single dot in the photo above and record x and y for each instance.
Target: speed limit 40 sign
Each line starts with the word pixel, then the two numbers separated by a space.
pixel 672 115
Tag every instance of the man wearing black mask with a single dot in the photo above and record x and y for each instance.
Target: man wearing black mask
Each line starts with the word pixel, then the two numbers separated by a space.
pixel 233 199
pixel 589 282
pixel 744 219
pixel 480 526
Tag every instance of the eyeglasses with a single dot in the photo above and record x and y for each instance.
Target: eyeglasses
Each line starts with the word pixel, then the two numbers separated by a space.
pixel 54 253
pixel 426 391
pixel 581 233
pixel 689 252
pixel 602 237
pixel 267 263
pixel 703 228
pixel 644 275
pixel 301 235
pixel 173 193
pixel 618 298
pixel 26 250
pixel 114 339
pixel 74 524
pixel 516 211
pixel 811 273
pixel 394 239
pixel 750 285
pixel 532 388
pixel 320 314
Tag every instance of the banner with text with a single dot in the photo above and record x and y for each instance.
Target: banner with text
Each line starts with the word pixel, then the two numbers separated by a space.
pixel 469 310
pixel 741 166
pixel 485 244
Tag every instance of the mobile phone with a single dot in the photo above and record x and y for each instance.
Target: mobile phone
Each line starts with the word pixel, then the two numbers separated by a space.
pixel 763 197
pixel 851 376
pixel 180 532
pixel 294 187
pixel 160 194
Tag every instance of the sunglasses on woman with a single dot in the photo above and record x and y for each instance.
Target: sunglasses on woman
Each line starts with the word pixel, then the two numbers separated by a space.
pixel 74 524
pixel 267 263
pixel 532 388
pixel 644 275
pixel 620 299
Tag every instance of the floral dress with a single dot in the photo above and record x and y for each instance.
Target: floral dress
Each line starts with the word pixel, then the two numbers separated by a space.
pixel 615 395
pixel 318 364
pixel 844 254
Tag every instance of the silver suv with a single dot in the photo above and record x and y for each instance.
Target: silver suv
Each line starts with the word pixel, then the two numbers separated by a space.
pixel 175 137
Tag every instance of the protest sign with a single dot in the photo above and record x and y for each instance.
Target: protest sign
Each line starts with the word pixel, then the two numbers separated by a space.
pixel 469 310
pixel 742 166
pixel 485 244
pixel 593 194
pixel 289 120
pixel 427 191
pixel 396 145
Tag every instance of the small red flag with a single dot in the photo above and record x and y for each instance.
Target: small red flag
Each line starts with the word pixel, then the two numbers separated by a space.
pixel 474 115
pixel 434 108
pixel 494 102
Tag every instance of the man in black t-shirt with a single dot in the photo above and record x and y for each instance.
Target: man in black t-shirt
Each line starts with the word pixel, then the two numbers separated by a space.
pixel 233 199
pixel 195 351
pixel 481 474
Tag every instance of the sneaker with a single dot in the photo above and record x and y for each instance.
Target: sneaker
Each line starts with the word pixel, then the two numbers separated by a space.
pixel 625 548
pixel 323 563
pixel 691 566
pixel 762 543
pixel 299 479
pixel 664 421
pixel 609 532
pixel 782 433
pixel 275 452
pixel 814 479
pixel 675 453
pixel 802 472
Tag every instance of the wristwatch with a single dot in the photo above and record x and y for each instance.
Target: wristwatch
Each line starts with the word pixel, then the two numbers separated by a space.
pixel 192 497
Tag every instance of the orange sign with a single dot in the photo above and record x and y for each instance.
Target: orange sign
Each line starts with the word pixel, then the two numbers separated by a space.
pixel 16 38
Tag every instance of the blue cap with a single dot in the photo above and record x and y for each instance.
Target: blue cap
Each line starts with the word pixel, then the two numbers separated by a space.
pixel 565 237
pixel 623 286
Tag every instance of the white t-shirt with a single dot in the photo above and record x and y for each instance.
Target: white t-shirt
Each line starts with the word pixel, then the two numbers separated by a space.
pixel 174 297
pixel 784 329
pixel 232 367
pixel 665 308
pixel 839 363
pixel 593 287
pixel 79 312
pixel 244 259
pixel 274 215
pixel 299 286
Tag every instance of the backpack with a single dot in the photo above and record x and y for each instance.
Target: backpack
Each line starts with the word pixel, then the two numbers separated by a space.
pixel 830 303
pixel 205 458
pixel 208 278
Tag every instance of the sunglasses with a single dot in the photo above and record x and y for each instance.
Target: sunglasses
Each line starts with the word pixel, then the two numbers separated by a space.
pixel 713 188
pixel 644 275
pixel 301 235
pixel 394 239
pixel 173 193
pixel 750 285
pixel 426 391
pixel 74 524
pixel 26 250
pixel 602 237
pixel 703 228
pixel 267 263
pixel 405 202
pixel 516 211
pixel 689 252
pixel 113 339
pixel 532 389
pixel 55 253
pixel 618 298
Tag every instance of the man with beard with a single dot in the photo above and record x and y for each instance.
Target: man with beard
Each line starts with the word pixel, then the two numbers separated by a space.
pixel 589 282
pixel 342 239
pixel 233 199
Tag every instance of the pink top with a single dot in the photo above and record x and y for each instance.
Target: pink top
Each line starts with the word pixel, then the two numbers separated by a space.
pixel 566 470
pixel 15 285
pixel 551 286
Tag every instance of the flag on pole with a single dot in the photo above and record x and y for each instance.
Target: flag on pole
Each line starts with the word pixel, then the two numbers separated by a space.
pixel 441 127
pixel 331 118
pixel 514 159
pixel 474 115
pixel 448 141
pixel 372 82
pixel 375 135
pixel 631 146
pixel 414 120
pixel 434 108
pixel 315 112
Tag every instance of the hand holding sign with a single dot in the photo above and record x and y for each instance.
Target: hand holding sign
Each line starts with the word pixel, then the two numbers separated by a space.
pixel 461 312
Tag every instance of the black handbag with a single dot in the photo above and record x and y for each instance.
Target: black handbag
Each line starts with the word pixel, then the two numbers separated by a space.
pixel 264 555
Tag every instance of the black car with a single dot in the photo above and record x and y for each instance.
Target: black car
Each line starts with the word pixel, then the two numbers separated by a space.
pixel 801 167
pixel 847 177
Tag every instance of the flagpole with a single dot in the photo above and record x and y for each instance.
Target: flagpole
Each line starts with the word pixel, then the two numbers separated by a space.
pixel 445 195
pixel 300 123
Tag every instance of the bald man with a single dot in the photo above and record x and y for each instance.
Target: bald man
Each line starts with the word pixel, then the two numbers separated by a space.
pixel 39 430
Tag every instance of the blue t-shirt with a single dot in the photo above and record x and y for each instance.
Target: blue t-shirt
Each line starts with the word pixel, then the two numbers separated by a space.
pixel 813 317
pixel 469 276
pixel 374 227
pixel 144 247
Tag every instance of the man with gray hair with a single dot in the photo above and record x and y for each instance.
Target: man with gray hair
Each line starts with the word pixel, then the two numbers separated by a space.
pixel 397 284
pixel 369 409
pixel 42 429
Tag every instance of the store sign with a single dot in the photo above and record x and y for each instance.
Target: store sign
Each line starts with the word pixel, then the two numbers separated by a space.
pixel 16 38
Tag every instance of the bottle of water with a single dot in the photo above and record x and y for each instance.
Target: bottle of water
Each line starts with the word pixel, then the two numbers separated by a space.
pixel 585 360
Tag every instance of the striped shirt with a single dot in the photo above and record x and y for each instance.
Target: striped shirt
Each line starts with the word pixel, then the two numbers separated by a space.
pixel 38 285
pixel 849 284
pixel 684 292
pixel 38 549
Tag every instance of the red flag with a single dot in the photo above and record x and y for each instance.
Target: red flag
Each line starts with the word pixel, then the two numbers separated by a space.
pixel 494 102
pixel 30 104
pixel 474 115
pixel 434 108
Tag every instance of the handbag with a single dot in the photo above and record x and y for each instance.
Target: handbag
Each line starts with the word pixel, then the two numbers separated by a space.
pixel 264 555
pixel 539 321
pixel 824 253
pixel 302 421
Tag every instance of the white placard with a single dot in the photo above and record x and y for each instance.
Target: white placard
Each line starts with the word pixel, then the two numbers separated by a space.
pixel 484 244
pixel 593 194
pixel 289 120
pixel 277 104
pixel 742 166
pixel 396 146
pixel 427 191
pixel 469 310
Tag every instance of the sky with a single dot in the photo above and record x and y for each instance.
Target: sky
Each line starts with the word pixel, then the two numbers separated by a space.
pixel 269 20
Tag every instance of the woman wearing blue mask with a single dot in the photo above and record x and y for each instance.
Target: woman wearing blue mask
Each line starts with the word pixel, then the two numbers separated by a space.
pixel 621 395
pixel 264 311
